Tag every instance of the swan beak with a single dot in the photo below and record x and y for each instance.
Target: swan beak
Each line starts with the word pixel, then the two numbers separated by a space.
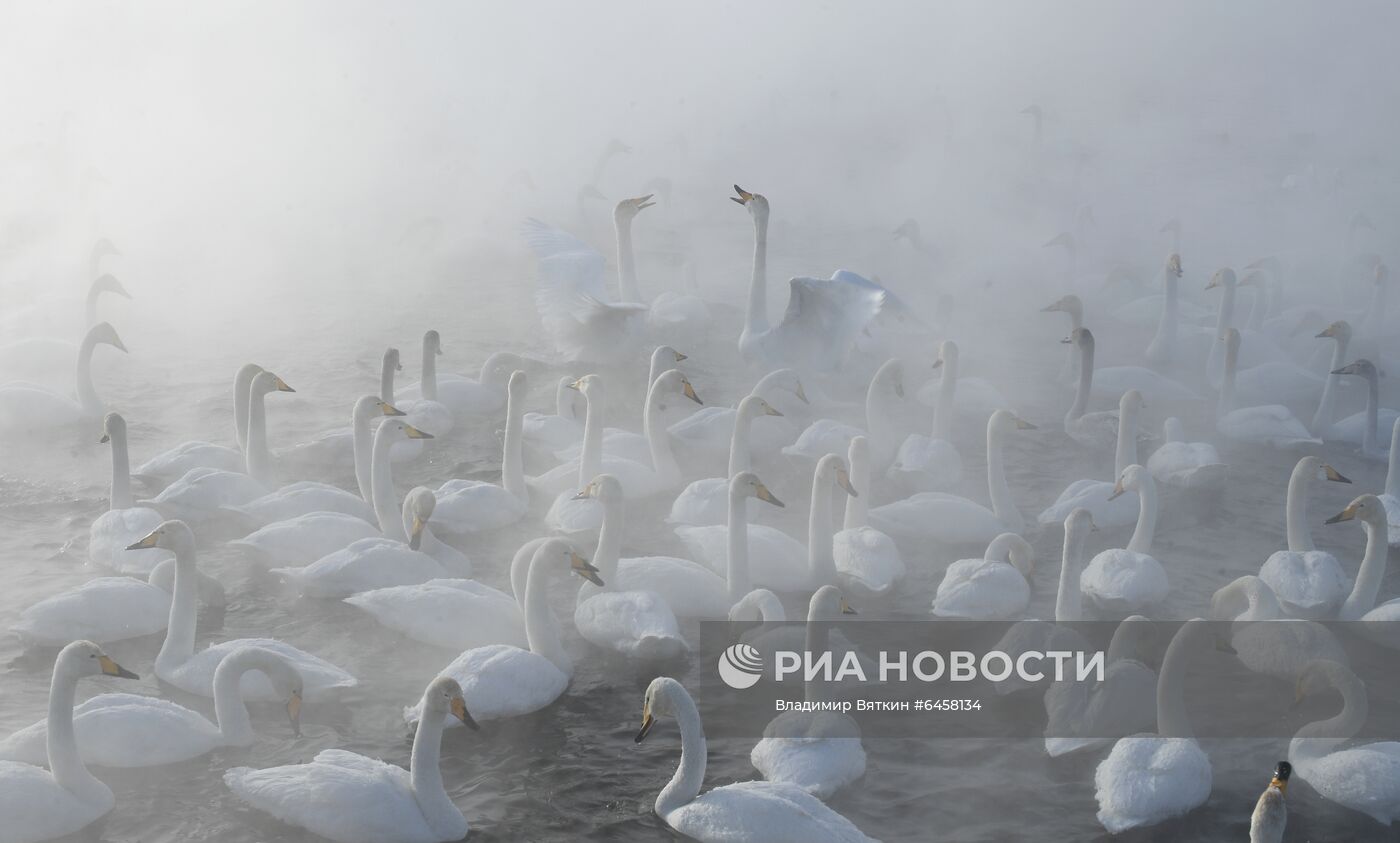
pixel 145 544
pixel 294 712
pixel 1117 490
pixel 690 393
pixel 1349 369
pixel 282 386
pixel 1334 475
pixel 1329 331
pixel 458 707
pixel 938 364
pixel 577 384
pixel 415 536
pixel 768 497
pixel 644 201
pixel 1066 341
pixel 679 356
pixel 414 433
pixel 899 389
pixel 843 479
pixel 770 410
pixel 802 393
pixel 105 439
pixel 744 197
pixel 1345 515
pixel 1051 308
pixel 111 668
pixel 647 722
pixel 846 608
pixel 1222 644
pixel 581 566
pixel 119 345
pixel 1022 424
pixel 585 492
pixel 390 410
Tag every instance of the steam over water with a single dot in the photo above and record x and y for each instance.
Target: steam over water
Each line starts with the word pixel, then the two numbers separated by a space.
pixel 304 185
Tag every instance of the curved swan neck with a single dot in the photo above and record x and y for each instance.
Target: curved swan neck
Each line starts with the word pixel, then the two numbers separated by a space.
pixel 541 627
pixel 385 503
pixel 257 460
pixel 740 458
pixel 1392 473
pixel 1069 605
pixel 1172 720
pixel 1123 644
pixel 1327 405
pixel 1141 542
pixel 756 317
pixel 690 773
pixel 425 770
pixel 65 761
pixel 1126 453
pixel 1002 504
pixel 428 385
pixel 1321 737
pixel 121 472
pixel 512 459
pixel 879 415
pixel 230 711
pixel 663 459
pixel 737 567
pixel 858 506
pixel 626 262
pixel 242 386
pixel 87 393
pixel 821 561
pixel 1296 509
pixel 1368 577
pixel 179 633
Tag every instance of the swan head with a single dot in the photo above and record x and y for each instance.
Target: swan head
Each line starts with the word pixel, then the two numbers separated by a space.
pixel 1005 421
pixel 443 697
pixel 418 505
pixel 1339 330
pixel 391 426
pixel 104 334
pixel 665 355
pixel 560 549
pixel 266 382
pixel 590 385
pixel 754 406
pixel 828 604
pixel 103 248
pixel 785 379
pixel 908 230
pixel 1224 277
pixel 1080 338
pixel 661 699
pixel 1132 400
pixel 170 535
pixel 517 386
pixel 629 208
pixel 746 484
pixel 391 360
pixel 832 469
pixel 1368 509
pixel 1010 547
pixel 1233 602
pixel 605 487
pixel 1269 264
pixel 1171 226
pixel 1174 265
pixel 757 203
pixel 1063 239
pixel 432 342
pixel 286 680
pixel 113 427
pixel 1313 467
pixel 369 406
pixel 858 452
pixel 673 380
pixel 107 283
pixel 1363 367
pixel 1079 522
pixel 84 658
pixel 947 354
pixel 759 604
pixel 1173 431
pixel 1134 477
pixel 890 376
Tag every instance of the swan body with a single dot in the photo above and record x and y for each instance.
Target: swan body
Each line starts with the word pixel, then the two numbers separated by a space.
pixel 707 434
pixel 364 565
pixel 990 588
pixel 106 609
pixel 1129 579
pixel 1188 465
pixel 705 502
pixel 1269 424
pixel 1261 641
pixel 455 614
pixel 471 506
pixel 1363 428
pixel 26 409
pixel 349 798
pixel 124 522
pixel 174 463
pixel 1309 583
pixel 867 561
pixel 930 463
pixel 303 540
pixel 1097 496
pixel 201 493
pixel 302 498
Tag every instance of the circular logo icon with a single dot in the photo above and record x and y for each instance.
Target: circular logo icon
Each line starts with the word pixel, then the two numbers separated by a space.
pixel 740 666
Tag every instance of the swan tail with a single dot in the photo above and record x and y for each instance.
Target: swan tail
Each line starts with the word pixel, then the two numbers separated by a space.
pixel 655 648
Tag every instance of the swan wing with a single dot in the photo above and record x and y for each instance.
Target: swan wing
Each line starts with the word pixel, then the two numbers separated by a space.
pixel 867 560
pixel 103 610
pixel 501 681
pixel 637 624
pixel 36 807
pixel 1147 779
pixel 823 319
pixel 320 678
pixel 452 614
pixel 691 590
pixel 304 539
pixel 364 565
pixel 769 811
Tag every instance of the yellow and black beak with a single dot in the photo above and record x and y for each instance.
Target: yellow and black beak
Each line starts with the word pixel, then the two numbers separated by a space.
pixel 802 394
pixel 415 536
pixel 105 439
pixel 390 410
pixel 843 479
pixel 577 384
pixel 147 543
pixel 111 668
pixel 679 356
pixel 938 364
pixel 1022 424
pixel 846 608
pixel 643 201
pixel 1117 490
pixel 414 433
pixel 584 569
pixel 647 722
pixel 1334 475
pixel 744 197
pixel 770 410
pixel 1345 515
pixel 585 492
pixel 282 386
pixel 1329 331
pixel 458 707
pixel 899 389
pixel 690 393
pixel 294 712
pixel 768 497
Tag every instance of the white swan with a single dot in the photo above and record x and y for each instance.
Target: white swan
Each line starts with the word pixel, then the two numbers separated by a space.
pixel 1166 342
pixel 1097 495
pixel 949 519
pixel 1147 779
pixel 1112 381
pixel 628 444
pixel 48 357
pixel 130 730
pixel 26 409
pixel 705 502
pixel 932 463
pixel 867 560
pixel 472 506
pixel 1129 579
pixel 1098 429
pixel 823 318
pixel 123 523
pixel 1363 428
pixel 427 412
pixel 1261 640
pixel 174 463
pixel 1361 605
pixel 1188 465
pixel 1390 499
pixel 1364 778
pixel 670 314
pixel 1308 582
pixel 40 804
pixel 768 811
pixel 1270 815
pixel 1270 424
pixel 882 396
pixel 178 663
pixel 550 433
pixel 994 587
pixel 1073 306
pixel 1080 715
pixel 776 560
pixel 635 622
pixel 346 447
pixel 707 433
pixel 1260 350
pixel 1340 333
pixel 503 681
pixel 818 751
pixel 484 395
pixel 350 798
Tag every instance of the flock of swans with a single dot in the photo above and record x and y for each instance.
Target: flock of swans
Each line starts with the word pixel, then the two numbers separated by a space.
pixel 834 387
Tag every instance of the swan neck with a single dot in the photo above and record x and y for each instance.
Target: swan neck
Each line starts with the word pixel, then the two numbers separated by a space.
pixel 1296 510
pixel 1069 606
pixel 821 560
pixel 512 458
pixel 1373 403
pixel 65 761
pixel 756 317
pixel 541 627
pixel 857 506
pixel 179 633
pixel 737 569
pixel 1223 320
pixel 386 509
pixel 363 439
pixel 663 459
pixel 1172 720
pixel 1165 341
pixel 943 412
pixel 121 473
pixel 1368 577
pixel 230 711
pixel 690 773
pixel 1086 382
pixel 428 386
pixel 1227 381
pixel 609 551
pixel 1321 737
pixel 1126 453
pixel 386 381
pixel 1327 405
pixel 590 460
pixel 1392 473
pixel 626 261
pixel 90 305
pixel 1141 542
pixel 1002 504
pixel 257 460
pixel 740 458
pixel 87 393
pixel 425 769
pixel 242 386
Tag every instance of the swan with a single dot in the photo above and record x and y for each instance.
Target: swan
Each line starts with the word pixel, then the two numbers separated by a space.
pixel 28 409
pixel 331 449
pixel 670 314
pixel 1260 349
pixel 1147 779
pixel 47 357
pixel 504 681
pixel 761 606
pixel 1363 428
pixel 776 560
pixel 1165 343
pixel 1097 495
pixel 1340 333
pixel 1270 815
pixel 635 622
pixel 817 751
pixel 1364 778
pixel 1097 429
pixel 1073 306
pixel 867 560
pixel 1083 716
pixel 1390 499
pixel 707 433
pixel 427 413
pixel 1188 465
pixel 129 730
pixel 931 463
pixel 123 522
pixel 552 433
pixel 350 798
pixel 1270 424
pixel 705 502
pixel 1264 643
pixel 1361 605
pixel 40 804
pixel 625 443
pixel 823 318
pixel 484 395
pixel 178 663
pixel 472 506
pixel 405 450
pixel 828 436
pixel 770 811
pixel 949 519
pixel 1309 583
pixel 1129 579
pixel 994 587
pixel 170 465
